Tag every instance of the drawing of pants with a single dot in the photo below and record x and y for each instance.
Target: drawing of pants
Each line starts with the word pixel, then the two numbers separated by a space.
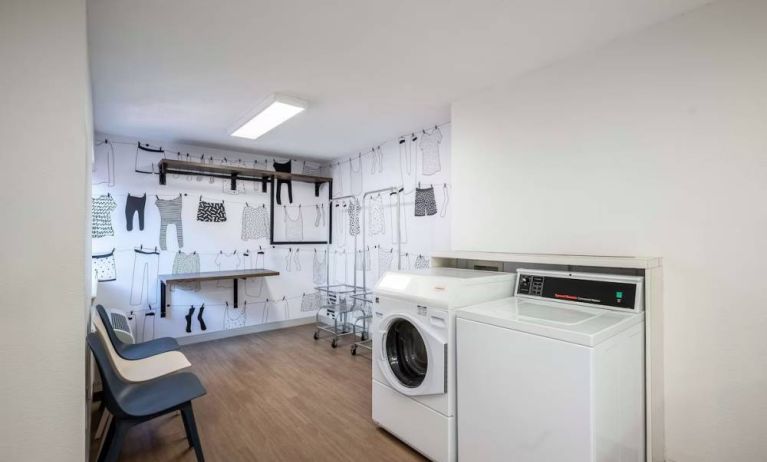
pixel 164 222
pixel 144 286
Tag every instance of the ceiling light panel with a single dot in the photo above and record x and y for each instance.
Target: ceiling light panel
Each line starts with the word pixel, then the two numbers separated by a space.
pixel 272 112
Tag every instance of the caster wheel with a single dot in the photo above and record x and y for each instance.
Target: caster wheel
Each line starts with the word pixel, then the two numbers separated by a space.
pixel 334 343
pixel 354 350
pixel 316 336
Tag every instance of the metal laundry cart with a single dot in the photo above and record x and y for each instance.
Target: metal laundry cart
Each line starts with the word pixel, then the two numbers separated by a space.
pixel 346 309
pixel 338 312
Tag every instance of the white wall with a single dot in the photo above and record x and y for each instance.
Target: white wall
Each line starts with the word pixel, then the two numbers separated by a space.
pixel 655 145
pixel 45 128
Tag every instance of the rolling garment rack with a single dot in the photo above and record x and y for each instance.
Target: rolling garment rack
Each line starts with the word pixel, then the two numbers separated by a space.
pixel 366 298
pixel 337 303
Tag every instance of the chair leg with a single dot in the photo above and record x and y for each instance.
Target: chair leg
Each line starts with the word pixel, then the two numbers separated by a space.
pixel 103 421
pixel 187 414
pixel 117 432
pixel 106 440
pixel 187 429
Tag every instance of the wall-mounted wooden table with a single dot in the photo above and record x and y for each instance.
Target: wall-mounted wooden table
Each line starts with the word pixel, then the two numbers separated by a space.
pixel 235 276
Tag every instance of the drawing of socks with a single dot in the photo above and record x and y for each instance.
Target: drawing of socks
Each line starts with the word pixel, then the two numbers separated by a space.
pixel 189 320
pixel 445 200
pixel 297 260
pixel 199 318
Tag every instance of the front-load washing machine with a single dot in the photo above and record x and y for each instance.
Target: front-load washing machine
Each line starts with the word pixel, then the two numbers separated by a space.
pixel 413 330
pixel 555 373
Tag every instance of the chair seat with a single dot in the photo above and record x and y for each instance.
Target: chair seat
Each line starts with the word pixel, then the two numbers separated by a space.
pixel 149 398
pixel 146 349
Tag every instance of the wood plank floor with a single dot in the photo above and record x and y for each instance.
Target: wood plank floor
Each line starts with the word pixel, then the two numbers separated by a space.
pixel 274 396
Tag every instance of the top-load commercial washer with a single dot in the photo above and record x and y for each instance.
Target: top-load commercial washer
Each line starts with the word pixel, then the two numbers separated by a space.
pixel 555 373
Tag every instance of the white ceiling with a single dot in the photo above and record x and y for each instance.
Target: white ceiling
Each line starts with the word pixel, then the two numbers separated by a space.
pixel 187 70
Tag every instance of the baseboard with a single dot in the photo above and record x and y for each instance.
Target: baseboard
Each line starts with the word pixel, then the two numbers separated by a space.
pixel 221 334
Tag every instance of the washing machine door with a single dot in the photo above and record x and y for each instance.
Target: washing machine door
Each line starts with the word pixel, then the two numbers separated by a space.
pixel 411 357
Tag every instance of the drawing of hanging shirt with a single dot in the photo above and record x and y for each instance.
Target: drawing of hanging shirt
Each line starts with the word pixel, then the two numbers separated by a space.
pixel 311 302
pixel 253 260
pixel 255 223
pixel 101 222
pixel 356 176
pixel 104 266
pixel 276 310
pixel 430 152
pixel 362 260
pixel 227 262
pixel 407 176
pixel 339 221
pixel 186 263
pixel 235 318
pixel 354 216
pixel 247 260
pixel 320 269
pixel 294 228
pixel 338 179
pixel 339 267
pixel 104 164
pixel 376 216
pixel 405 261
pixel 385 258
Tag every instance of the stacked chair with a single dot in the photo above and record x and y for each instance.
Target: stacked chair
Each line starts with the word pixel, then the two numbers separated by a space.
pixel 140 382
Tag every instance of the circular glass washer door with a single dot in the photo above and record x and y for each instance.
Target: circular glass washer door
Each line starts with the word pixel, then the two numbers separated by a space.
pixel 406 353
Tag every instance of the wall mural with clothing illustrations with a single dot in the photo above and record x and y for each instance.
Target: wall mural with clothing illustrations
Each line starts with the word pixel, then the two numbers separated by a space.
pixel 417 164
pixel 195 223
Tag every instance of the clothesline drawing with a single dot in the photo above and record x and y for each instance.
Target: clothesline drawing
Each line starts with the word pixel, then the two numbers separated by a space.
pixel 235 159
pixel 209 252
pixel 165 195
pixel 218 303
pixel 372 150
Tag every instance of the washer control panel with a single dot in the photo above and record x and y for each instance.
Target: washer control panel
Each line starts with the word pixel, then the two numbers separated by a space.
pixel 600 290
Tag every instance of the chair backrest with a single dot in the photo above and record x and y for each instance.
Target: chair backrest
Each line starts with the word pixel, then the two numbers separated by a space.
pixel 116 342
pixel 112 384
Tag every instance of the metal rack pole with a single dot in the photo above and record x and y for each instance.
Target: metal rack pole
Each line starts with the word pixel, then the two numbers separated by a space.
pixel 332 199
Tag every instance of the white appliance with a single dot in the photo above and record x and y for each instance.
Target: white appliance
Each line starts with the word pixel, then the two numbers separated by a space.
pixel 555 373
pixel 413 331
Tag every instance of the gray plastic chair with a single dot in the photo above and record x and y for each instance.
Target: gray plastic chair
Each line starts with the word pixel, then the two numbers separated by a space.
pixel 135 403
pixel 135 350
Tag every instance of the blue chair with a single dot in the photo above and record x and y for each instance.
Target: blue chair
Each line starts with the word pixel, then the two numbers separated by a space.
pixel 136 350
pixel 133 403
